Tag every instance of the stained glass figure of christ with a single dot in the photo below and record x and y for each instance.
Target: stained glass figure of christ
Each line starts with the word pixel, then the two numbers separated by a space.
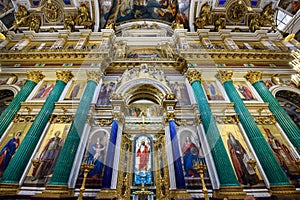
pixel 143 160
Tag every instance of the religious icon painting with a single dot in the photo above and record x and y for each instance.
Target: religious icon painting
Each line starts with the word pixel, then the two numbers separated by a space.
pixel 10 143
pixel 191 152
pixel 143 161
pixel 44 90
pixel 240 156
pixel 94 154
pixel 179 88
pixel 244 91
pixel 106 90
pixel 213 91
pixel 45 158
pixel 75 91
pixel 286 156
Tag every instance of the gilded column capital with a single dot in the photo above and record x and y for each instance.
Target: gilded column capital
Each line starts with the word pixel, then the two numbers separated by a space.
pixel 64 76
pixel 170 96
pixel 194 75
pixel 224 75
pixel 94 75
pixel 170 116
pixel 35 76
pixel 253 77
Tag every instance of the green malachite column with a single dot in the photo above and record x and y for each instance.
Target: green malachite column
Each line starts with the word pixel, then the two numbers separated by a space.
pixel 8 114
pixel 21 158
pixel 223 166
pixel 66 158
pixel 272 169
pixel 287 124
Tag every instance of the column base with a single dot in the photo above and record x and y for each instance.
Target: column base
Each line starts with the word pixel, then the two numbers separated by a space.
pixel 284 190
pixel 9 189
pixel 56 191
pixel 108 194
pixel 233 192
pixel 180 194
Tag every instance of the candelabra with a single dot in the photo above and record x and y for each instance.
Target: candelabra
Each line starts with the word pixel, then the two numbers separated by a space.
pixel 201 167
pixel 86 168
pixel 296 66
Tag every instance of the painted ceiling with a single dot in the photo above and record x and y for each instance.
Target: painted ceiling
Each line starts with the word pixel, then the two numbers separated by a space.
pixel 236 12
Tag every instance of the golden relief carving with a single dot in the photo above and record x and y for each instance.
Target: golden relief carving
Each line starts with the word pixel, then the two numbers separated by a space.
pixel 61 119
pixel 64 76
pixel 170 96
pixel 236 11
pixel 224 75
pixel 53 11
pixel 227 119
pixel 161 172
pixel 125 175
pixel 94 75
pixel 24 118
pixel 103 122
pixel 265 119
pixel 194 75
pixel 253 77
pixel 170 116
pixel 116 96
pixel 35 76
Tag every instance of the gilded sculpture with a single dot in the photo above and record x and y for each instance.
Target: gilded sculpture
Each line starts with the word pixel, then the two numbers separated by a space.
pixel 220 22
pixel 83 18
pixel 204 17
pixel 21 16
pixel 69 23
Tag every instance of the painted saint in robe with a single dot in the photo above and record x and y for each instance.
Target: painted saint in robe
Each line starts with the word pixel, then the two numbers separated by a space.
pixel 239 157
pixel 8 151
pixel 190 156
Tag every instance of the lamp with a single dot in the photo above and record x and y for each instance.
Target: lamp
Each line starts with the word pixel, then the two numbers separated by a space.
pixel 201 167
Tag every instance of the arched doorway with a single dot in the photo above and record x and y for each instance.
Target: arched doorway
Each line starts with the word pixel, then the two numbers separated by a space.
pixel 143 167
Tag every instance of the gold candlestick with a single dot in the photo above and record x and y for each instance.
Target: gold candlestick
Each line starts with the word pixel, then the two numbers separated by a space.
pixel 86 168
pixel 200 167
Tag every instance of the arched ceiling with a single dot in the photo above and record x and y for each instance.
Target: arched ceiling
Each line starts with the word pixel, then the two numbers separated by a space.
pixel 236 13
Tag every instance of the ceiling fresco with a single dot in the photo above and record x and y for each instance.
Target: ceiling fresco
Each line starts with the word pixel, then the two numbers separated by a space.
pixel 190 14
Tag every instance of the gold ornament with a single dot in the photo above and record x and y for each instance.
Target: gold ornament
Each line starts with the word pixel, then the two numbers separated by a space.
pixel 224 75
pixel 194 75
pixel 253 77
pixel 35 76
pixel 64 76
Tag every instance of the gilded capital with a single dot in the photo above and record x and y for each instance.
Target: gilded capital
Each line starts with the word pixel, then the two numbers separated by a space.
pixel 224 75
pixel 194 75
pixel 253 77
pixel 35 76
pixel 170 96
pixel 64 76
pixel 170 116
pixel 94 75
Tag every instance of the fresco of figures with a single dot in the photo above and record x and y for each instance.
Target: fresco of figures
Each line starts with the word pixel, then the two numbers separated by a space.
pixel 95 153
pixel 239 153
pixel 285 155
pixel 75 91
pixel 244 91
pixel 106 90
pixel 179 88
pixel 291 6
pixel 10 143
pixel 145 109
pixel 143 160
pixel 45 158
pixel 44 90
pixel 213 91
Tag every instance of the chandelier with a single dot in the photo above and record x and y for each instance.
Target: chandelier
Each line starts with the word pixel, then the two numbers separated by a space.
pixel 296 66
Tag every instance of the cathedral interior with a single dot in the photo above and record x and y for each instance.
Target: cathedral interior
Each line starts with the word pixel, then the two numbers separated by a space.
pixel 150 99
